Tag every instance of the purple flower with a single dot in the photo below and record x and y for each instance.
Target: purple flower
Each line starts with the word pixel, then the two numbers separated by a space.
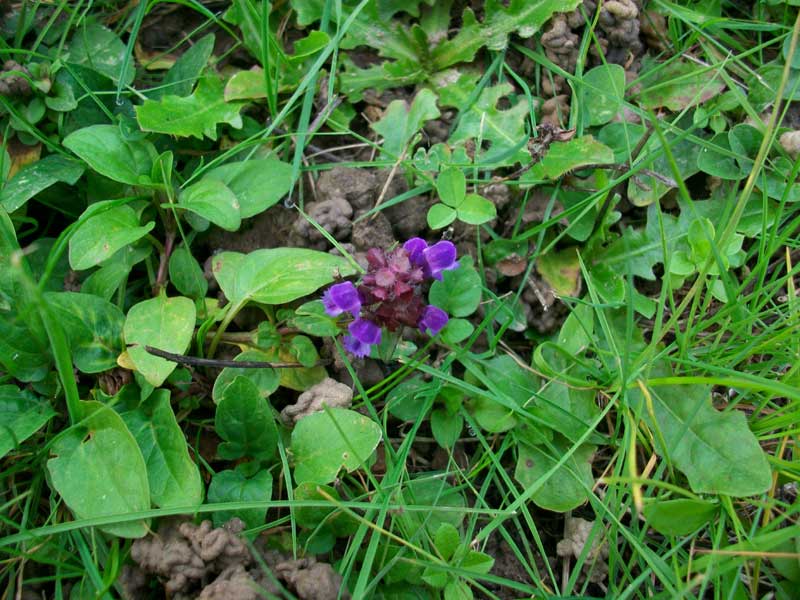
pixel 363 335
pixel 432 320
pixel 414 247
pixel 340 298
pixel 439 257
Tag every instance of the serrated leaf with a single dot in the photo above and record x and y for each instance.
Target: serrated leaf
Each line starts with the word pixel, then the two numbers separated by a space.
pixel 102 235
pixel 563 157
pixel 108 153
pixel 214 201
pixel 99 470
pixel 564 489
pixel 22 414
pixel 276 275
pixel 716 451
pixel 35 177
pixel 174 478
pixel 196 115
pixel 257 184
pixel 161 322
pixel 245 421
pixel 400 122
pixel 325 442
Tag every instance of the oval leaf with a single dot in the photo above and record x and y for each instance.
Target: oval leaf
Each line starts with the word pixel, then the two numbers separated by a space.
pixel 451 185
pixel 101 236
pixel 476 210
pixel 22 414
pixel 257 184
pixel 214 201
pixel 244 419
pixel 108 153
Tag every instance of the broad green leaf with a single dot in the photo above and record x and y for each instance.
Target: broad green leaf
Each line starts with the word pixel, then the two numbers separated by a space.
pixel 196 115
pixel 298 379
pixel 99 49
pixel 337 521
pixel 446 539
pixel 102 235
pixel 174 478
pixel 257 184
pixel 113 272
pixel 446 427
pixel 475 210
pixel 276 275
pixel 458 589
pixel 214 201
pixel 104 149
pixel 563 157
pixel 161 322
pixel 186 274
pixel 35 177
pixel 451 185
pixel 678 85
pixel 603 90
pixel 325 442
pixel 457 330
pixel 568 486
pixel 649 189
pixel 246 85
pixel 442 503
pixel 561 270
pixel 510 386
pixel 233 486
pixel 312 319
pixel 459 291
pixel 180 79
pixel 400 122
pixel 266 380
pixel 245 421
pixel 679 517
pixel 440 216
pixel 715 450
pixel 716 158
pixel 92 326
pixel 99 470
pixel 22 414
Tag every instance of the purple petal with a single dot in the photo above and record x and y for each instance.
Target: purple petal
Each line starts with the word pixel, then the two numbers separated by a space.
pixel 415 247
pixel 340 298
pixel 355 347
pixel 432 320
pixel 365 331
pixel 439 257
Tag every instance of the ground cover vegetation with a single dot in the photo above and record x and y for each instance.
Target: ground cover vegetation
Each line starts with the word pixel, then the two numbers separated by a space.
pixel 373 299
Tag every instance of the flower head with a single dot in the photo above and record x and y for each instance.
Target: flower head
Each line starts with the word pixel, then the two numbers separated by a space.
pixel 342 297
pixel 432 320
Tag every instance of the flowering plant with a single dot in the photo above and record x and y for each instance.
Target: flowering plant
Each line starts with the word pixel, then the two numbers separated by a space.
pixel 391 293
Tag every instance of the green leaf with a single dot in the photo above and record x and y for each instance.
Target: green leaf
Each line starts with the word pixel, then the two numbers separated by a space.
pixel 458 589
pixel 22 414
pixel 233 486
pixel 161 322
pixel 92 326
pixel 312 319
pixel 266 380
pixel 678 85
pixel 563 157
pixel 716 451
pixel 257 184
pixel 112 272
pixel 99 470
pixel 446 427
pixel 196 115
pixel 451 185
pixel 442 503
pixel 311 517
pixel 459 291
pixel 35 177
pixel 679 517
pixel 186 274
pixel 440 216
pixel 276 275
pixel 510 386
pixel 325 442
pixel 174 478
pixel 457 330
pixel 99 49
pixel 108 153
pixel 603 90
pixel 561 270
pixel 180 79
pixel 400 122
pixel 446 539
pixel 102 235
pixel 476 210
pixel 568 486
pixel 246 423
pixel 716 158
pixel 214 201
